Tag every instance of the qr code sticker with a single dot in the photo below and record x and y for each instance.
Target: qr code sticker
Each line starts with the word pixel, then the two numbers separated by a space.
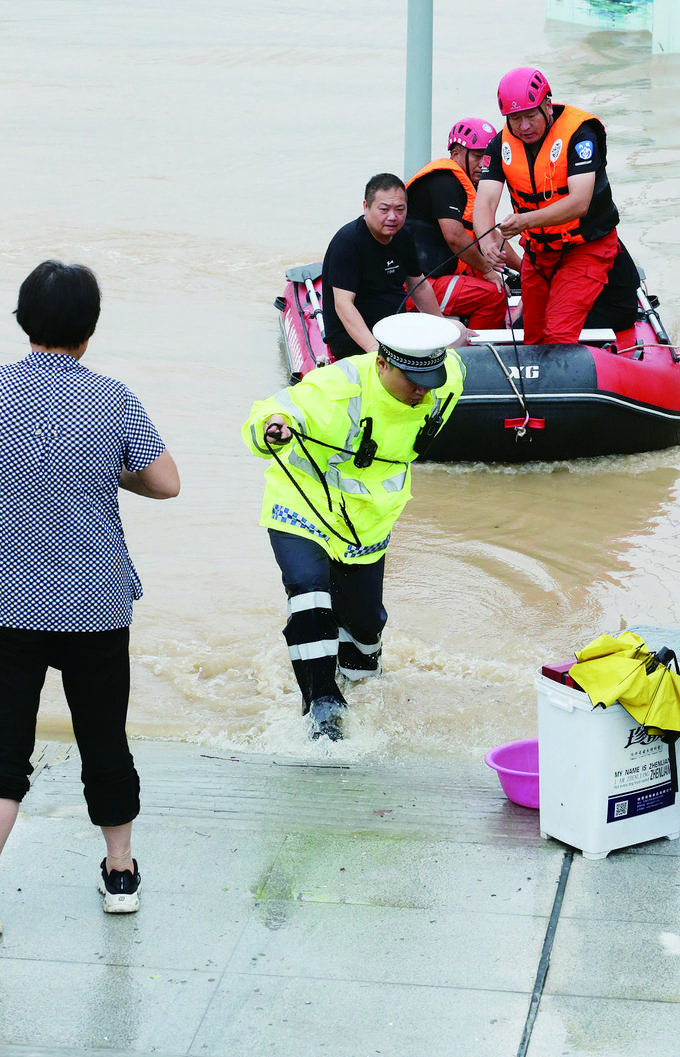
pixel 621 809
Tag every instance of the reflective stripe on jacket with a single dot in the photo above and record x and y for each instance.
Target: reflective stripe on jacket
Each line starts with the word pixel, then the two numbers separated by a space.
pixel 331 404
pixel 534 186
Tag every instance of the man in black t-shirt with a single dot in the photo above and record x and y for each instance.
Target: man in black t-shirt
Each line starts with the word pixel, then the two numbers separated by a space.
pixel 369 266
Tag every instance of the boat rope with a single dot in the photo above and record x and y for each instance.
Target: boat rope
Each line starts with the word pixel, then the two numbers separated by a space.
pixel 363 457
pixel 453 257
pixel 355 541
pixel 365 454
pixel 521 430
pixel 651 345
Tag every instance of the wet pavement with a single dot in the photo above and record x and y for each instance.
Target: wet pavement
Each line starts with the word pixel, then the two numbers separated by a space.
pixel 333 909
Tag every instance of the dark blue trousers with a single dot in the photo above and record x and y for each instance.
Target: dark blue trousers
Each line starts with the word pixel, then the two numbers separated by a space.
pixel 335 615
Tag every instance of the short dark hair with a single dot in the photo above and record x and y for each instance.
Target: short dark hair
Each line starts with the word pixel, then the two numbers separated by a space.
pixel 59 305
pixel 384 181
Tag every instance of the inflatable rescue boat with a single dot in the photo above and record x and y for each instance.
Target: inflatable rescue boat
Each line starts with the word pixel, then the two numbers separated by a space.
pixel 612 393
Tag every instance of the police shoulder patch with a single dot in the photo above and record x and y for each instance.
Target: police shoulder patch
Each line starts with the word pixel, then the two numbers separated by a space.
pixel 584 149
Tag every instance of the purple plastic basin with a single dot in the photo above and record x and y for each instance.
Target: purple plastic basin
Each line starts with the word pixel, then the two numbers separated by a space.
pixel 516 765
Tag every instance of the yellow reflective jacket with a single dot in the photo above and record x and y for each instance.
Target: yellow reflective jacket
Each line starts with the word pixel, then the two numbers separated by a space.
pixel 331 405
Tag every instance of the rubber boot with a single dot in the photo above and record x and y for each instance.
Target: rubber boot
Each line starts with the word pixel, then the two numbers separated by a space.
pixel 356 664
pixel 326 714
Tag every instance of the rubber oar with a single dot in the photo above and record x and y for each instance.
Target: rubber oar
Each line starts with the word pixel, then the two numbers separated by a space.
pixel 308 274
pixel 652 317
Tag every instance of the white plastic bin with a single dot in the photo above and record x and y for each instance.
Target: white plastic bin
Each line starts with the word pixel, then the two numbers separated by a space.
pixel 603 782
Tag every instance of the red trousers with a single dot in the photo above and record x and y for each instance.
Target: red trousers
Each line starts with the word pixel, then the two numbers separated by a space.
pixel 480 302
pixel 559 289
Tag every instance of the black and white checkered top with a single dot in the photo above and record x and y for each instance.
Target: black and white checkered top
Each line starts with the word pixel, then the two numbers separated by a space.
pixel 65 434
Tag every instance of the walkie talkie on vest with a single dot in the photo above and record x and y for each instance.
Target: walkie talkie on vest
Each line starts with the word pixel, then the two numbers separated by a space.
pixel 367 449
pixel 430 428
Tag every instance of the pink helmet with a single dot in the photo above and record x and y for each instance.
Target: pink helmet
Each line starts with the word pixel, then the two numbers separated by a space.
pixel 472 133
pixel 522 89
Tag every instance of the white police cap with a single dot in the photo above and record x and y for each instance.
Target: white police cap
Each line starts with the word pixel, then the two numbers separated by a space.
pixel 416 343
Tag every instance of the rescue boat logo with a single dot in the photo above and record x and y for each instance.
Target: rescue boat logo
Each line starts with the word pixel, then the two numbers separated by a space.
pixel 506 154
pixel 528 370
pixel 556 150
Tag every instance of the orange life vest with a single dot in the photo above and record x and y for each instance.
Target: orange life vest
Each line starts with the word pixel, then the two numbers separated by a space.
pixel 534 186
pixel 469 188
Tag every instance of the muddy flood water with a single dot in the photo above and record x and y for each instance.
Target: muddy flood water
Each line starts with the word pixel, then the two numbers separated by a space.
pixel 190 154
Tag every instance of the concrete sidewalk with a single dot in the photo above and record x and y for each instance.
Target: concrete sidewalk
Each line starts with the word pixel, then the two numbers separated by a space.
pixel 330 910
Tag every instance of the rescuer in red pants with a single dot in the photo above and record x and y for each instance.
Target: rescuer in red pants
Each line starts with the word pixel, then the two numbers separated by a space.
pixel 553 160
